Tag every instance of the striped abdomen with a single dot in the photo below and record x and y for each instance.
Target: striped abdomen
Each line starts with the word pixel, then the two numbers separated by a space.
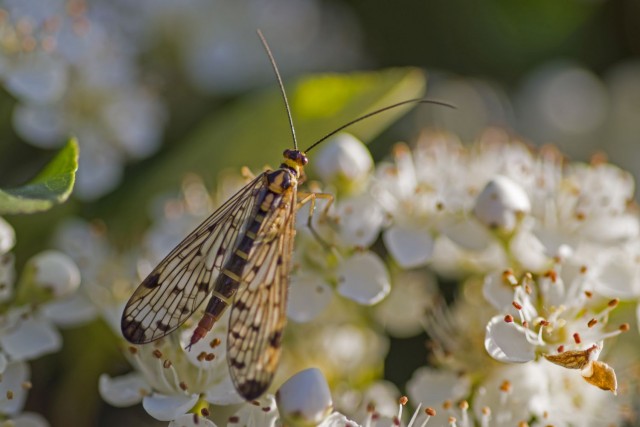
pixel 270 198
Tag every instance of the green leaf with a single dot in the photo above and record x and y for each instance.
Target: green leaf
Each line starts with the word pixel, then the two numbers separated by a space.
pixel 254 131
pixel 51 186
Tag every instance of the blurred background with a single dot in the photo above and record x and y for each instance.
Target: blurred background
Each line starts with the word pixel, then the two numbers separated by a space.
pixel 154 89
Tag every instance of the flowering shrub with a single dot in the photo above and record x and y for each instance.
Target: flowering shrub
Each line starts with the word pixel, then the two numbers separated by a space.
pixel 529 337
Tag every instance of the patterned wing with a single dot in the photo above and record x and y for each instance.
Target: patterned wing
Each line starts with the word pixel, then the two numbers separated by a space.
pixel 258 314
pixel 184 278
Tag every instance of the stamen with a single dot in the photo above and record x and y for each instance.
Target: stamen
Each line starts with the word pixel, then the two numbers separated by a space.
pixel 486 416
pixel 464 408
pixel 429 412
pixel 415 415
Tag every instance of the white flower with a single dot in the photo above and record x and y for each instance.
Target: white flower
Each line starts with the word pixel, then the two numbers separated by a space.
pixel 172 380
pixel 547 392
pixel 557 316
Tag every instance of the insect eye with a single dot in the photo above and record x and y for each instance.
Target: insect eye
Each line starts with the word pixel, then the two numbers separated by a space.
pixel 287 153
pixel 303 159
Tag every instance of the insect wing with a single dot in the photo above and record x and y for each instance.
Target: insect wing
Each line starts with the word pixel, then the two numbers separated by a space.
pixel 258 315
pixel 179 284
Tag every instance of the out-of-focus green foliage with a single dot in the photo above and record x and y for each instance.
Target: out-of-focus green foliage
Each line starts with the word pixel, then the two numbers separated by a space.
pixel 51 186
pixel 254 132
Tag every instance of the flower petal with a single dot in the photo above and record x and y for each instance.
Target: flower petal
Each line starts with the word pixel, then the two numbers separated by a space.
pixel 71 311
pixel 305 398
pixel 32 337
pixel 506 342
pixel 167 408
pixel 29 419
pixel 13 380
pixel 309 294
pixel 123 391
pixel 363 278
pixel 223 392
pixel 410 246
pixel 360 219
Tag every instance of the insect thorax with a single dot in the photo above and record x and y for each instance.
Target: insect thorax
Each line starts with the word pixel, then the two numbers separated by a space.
pixel 282 179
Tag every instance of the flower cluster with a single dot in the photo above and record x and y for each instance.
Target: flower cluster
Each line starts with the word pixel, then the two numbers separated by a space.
pixel 543 250
pixel 32 307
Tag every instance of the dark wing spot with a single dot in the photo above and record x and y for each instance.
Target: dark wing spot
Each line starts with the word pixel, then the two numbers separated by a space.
pixel 237 364
pixel 184 309
pixel 275 340
pixel 177 291
pixel 152 281
pixel 252 389
pixel 240 305
pixel 162 326
pixel 132 330
pixel 203 287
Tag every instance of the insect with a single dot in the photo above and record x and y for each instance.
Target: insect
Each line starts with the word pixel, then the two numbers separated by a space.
pixel 240 257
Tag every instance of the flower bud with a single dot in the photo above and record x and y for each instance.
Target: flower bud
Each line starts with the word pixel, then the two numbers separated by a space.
pixel 501 204
pixel 55 272
pixel 305 399
pixel 343 161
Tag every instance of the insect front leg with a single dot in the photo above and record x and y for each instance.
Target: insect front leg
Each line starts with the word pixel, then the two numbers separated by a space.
pixel 311 198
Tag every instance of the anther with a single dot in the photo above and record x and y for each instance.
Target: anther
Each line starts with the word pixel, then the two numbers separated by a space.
pixel 576 338
pixel 505 386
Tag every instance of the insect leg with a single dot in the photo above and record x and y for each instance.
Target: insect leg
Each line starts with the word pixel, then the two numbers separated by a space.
pixel 311 198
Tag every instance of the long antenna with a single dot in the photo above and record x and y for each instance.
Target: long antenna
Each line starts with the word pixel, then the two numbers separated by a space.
pixel 284 94
pixel 373 113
